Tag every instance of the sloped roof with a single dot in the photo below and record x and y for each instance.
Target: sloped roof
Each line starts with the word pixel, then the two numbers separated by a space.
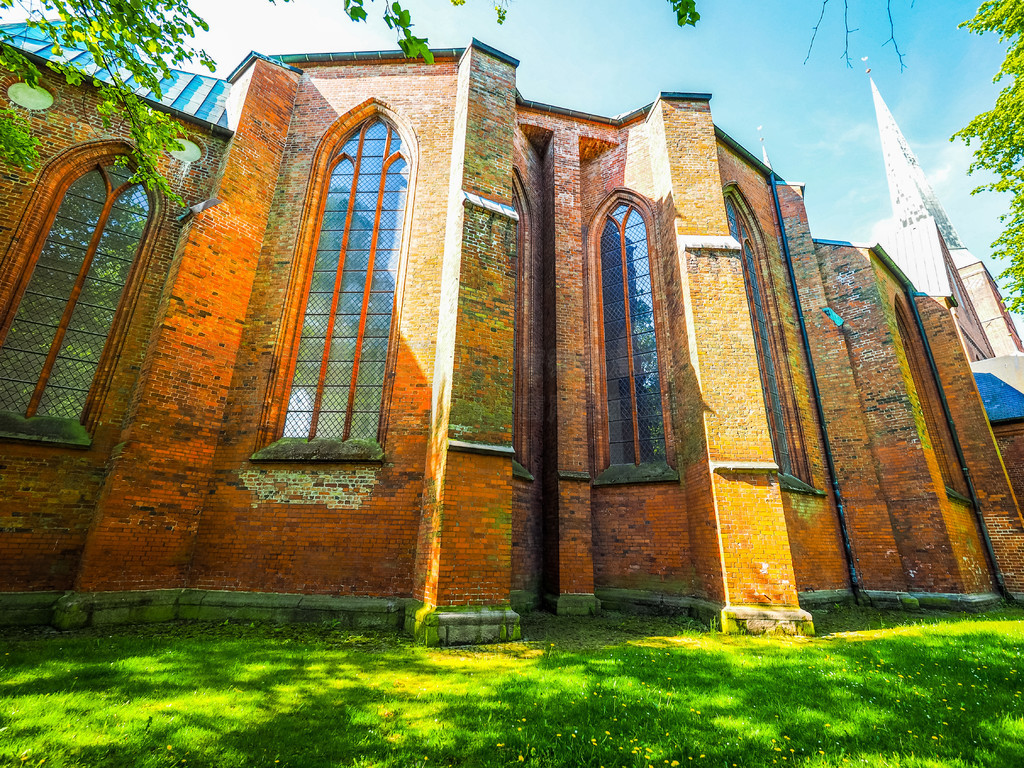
pixel 1002 402
pixel 200 96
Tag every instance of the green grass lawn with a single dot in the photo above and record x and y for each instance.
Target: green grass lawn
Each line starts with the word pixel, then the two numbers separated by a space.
pixel 612 691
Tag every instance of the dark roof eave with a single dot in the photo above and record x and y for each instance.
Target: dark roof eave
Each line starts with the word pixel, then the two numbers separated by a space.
pixel 253 55
pixel 734 145
pixel 317 58
pixel 216 130
pixel 616 122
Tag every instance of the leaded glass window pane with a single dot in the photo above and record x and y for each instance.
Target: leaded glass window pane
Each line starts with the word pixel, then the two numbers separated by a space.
pixel 50 354
pixel 338 385
pixel 636 431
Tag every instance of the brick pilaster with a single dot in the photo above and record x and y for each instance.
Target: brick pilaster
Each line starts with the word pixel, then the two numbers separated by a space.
pixel 464 554
pixel 740 543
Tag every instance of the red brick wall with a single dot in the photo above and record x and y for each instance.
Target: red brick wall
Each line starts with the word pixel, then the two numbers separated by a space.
pixel 1010 440
pixel 257 530
pixel 144 532
pixel 202 378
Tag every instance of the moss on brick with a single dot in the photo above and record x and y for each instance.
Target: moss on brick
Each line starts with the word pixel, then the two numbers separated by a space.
pixel 631 473
pixel 46 429
pixel 297 449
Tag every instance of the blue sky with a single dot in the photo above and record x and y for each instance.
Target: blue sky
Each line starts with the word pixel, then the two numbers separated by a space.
pixel 609 57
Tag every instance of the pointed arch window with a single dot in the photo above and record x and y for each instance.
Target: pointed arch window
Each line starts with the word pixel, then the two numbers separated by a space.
pixel 338 383
pixel 768 365
pixel 927 394
pixel 52 344
pixel 636 430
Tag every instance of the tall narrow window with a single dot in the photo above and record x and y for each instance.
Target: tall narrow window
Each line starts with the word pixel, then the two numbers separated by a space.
pixel 338 384
pixel 51 350
pixel 769 374
pixel 636 431
pixel 927 395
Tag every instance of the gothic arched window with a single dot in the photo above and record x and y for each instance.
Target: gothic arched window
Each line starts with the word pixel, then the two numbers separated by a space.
pixel 338 384
pixel 51 347
pixel 636 431
pixel 756 295
pixel 928 397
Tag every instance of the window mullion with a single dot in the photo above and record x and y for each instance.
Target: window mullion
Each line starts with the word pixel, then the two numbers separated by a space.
pixel 62 327
pixel 629 337
pixel 366 294
pixel 318 399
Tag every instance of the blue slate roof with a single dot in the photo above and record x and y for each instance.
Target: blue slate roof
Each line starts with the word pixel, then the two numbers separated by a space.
pixel 200 96
pixel 1002 402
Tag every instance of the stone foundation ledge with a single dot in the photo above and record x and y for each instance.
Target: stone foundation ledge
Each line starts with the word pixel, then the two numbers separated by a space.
pixel 25 609
pixel 766 620
pixel 643 601
pixel 461 625
pixel 822 598
pixel 74 610
pixel 573 604
pixel 940 601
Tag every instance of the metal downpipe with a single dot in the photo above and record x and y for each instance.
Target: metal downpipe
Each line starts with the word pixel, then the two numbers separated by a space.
pixel 829 460
pixel 911 295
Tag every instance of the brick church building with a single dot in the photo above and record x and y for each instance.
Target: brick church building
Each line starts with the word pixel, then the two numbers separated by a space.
pixel 426 354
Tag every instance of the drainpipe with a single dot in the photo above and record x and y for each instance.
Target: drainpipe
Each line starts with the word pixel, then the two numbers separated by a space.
pixel 911 295
pixel 829 460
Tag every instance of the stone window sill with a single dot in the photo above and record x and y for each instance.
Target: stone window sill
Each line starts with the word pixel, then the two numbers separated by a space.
pixel 796 485
pixel 622 474
pixel 518 470
pixel 44 429
pixel 299 450
pixel 957 496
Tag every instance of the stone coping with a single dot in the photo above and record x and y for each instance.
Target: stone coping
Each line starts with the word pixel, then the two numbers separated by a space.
pixel 518 470
pixel 44 429
pixel 484 449
pixel 621 474
pixel 300 450
pixel 796 485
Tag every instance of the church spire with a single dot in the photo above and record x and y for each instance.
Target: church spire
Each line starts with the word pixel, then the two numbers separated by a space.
pixel 912 197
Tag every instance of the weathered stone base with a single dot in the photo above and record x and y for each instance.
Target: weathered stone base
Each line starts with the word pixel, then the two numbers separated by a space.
pixel 642 601
pixel 822 598
pixel 766 620
pixel 23 609
pixel 940 601
pixel 573 605
pixel 911 601
pixel 524 601
pixel 74 610
pixel 461 625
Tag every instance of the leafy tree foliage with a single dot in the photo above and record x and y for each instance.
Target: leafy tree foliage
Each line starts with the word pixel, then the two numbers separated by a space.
pixel 1000 135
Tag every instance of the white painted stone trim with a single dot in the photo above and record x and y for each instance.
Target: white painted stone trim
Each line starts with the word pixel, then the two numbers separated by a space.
pixel 490 205
pixel 744 466
pixel 709 242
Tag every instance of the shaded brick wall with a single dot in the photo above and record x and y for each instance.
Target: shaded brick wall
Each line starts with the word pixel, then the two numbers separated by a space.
pixel 144 532
pixel 1010 440
pixel 49 492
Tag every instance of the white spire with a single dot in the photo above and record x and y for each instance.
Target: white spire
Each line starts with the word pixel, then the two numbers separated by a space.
pixel 912 195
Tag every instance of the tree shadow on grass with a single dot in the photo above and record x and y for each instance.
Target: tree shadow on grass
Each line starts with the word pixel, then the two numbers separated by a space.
pixel 910 696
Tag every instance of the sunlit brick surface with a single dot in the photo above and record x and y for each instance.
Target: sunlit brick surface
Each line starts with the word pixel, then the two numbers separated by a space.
pixel 495 345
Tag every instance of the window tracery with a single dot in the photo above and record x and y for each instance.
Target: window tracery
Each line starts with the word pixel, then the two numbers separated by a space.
pixel 52 346
pixel 338 382
pixel 768 365
pixel 636 432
